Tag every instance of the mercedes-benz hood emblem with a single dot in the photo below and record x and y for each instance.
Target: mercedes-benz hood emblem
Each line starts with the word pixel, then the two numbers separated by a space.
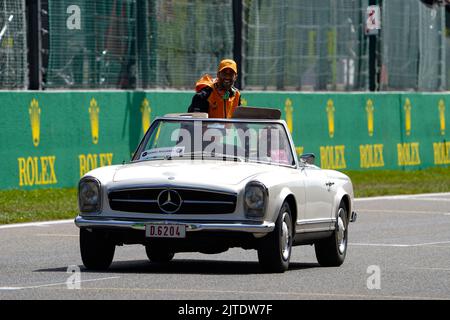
pixel 169 201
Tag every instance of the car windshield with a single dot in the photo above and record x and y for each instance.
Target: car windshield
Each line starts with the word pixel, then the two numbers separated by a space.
pixel 262 142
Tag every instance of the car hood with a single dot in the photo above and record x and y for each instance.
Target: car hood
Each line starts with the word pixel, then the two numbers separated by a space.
pixel 188 172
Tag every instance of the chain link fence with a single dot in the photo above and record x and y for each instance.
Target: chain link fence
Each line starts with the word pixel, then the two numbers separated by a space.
pixel 183 39
pixel 13 45
pixel 305 45
pixel 413 46
pixel 92 44
pixel 285 45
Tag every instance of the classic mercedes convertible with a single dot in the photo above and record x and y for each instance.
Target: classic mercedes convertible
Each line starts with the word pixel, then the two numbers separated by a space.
pixel 205 185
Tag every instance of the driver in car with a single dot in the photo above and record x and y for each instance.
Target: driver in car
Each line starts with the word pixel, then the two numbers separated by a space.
pixel 218 97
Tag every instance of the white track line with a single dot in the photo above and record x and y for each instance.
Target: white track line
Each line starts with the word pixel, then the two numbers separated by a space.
pixel 56 284
pixel 307 295
pixel 379 245
pixel 430 199
pixel 35 224
pixel 402 211
pixel 398 245
pixel 406 197
pixel 433 269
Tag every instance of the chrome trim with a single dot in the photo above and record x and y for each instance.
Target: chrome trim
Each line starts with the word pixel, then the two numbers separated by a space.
pixel 187 201
pixel 279 121
pixel 264 227
pixel 169 201
pixel 167 186
pixel 313 230
pixel 341 232
pixel 314 225
pixel 207 202
pixel 316 221
pixel 131 200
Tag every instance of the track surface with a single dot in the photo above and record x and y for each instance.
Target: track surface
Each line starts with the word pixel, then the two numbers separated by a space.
pixel 398 249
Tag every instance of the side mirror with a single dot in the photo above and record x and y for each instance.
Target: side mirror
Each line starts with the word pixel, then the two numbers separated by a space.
pixel 308 158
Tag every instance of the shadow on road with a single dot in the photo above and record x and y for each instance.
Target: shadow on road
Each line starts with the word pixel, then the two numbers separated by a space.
pixel 184 266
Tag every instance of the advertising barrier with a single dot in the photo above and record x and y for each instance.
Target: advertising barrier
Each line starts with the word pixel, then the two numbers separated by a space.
pixel 51 139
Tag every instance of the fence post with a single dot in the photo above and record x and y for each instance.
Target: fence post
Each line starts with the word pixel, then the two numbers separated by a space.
pixel 373 73
pixel 443 53
pixel 34 44
pixel 237 42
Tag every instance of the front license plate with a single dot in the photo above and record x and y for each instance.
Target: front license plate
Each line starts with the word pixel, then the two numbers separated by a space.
pixel 165 231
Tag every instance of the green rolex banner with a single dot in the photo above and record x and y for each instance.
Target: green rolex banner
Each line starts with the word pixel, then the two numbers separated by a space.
pixel 51 139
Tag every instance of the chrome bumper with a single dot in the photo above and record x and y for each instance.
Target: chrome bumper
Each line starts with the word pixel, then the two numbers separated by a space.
pixel 97 222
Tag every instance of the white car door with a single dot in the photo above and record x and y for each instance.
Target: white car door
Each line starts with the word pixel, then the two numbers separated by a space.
pixel 319 196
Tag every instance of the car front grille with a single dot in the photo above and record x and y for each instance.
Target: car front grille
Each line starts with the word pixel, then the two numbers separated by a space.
pixel 193 201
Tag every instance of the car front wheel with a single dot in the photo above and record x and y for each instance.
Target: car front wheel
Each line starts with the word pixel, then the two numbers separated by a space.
pixel 275 249
pixel 330 252
pixel 97 251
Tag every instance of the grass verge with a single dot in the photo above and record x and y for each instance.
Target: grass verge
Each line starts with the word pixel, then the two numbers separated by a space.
pixel 379 183
pixel 18 206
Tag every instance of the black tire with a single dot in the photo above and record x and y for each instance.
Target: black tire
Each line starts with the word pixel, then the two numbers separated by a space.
pixel 158 255
pixel 274 251
pixel 331 252
pixel 97 252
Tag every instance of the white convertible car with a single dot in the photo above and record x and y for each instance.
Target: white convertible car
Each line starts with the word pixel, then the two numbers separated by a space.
pixel 207 185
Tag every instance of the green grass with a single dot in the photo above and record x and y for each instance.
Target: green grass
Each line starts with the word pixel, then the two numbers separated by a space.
pixel 18 206
pixel 379 183
pixel 51 204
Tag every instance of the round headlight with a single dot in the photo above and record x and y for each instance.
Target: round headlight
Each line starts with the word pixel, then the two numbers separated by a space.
pixel 254 197
pixel 89 195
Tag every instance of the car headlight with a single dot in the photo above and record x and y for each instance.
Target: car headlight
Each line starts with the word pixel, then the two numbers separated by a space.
pixel 255 199
pixel 89 195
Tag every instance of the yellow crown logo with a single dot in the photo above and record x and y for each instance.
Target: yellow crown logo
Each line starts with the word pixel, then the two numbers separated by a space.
pixel 407 108
pixel 330 114
pixel 146 115
pixel 244 102
pixel 94 110
pixel 441 108
pixel 289 111
pixel 35 120
pixel 370 109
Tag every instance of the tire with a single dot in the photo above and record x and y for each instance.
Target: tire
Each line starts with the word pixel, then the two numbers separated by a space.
pixel 97 252
pixel 331 252
pixel 274 251
pixel 158 255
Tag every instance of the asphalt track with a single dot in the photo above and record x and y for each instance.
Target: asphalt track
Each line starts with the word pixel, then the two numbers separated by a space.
pixel 398 249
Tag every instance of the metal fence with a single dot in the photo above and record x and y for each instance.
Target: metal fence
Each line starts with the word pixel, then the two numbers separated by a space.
pixel 13 45
pixel 413 46
pixel 281 45
pixel 303 44
pixel 181 40
pixel 92 44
